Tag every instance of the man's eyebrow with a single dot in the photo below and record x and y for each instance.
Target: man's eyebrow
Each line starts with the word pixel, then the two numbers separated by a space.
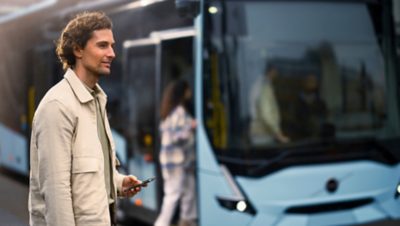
pixel 105 42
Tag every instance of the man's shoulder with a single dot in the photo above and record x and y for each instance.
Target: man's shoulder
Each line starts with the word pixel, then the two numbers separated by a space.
pixel 56 105
pixel 60 92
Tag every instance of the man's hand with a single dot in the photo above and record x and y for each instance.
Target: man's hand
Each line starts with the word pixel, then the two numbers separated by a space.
pixel 127 183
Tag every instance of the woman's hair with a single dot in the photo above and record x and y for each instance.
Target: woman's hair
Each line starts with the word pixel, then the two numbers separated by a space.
pixel 174 95
pixel 76 34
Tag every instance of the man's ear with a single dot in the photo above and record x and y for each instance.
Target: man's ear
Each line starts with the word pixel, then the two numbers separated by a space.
pixel 78 51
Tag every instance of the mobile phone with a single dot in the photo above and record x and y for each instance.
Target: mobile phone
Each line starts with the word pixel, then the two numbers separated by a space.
pixel 144 183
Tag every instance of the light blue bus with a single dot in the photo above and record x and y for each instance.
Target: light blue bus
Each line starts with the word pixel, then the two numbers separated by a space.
pixel 336 101
pixel 341 164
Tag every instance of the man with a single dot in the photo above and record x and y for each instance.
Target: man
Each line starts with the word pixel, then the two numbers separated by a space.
pixel 265 116
pixel 311 109
pixel 73 178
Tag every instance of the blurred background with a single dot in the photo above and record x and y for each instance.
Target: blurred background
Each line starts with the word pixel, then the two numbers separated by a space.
pixel 336 91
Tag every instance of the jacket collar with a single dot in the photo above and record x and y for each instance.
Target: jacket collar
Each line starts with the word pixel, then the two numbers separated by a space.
pixel 79 88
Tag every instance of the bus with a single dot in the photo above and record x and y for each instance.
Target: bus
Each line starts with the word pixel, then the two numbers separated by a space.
pixel 337 95
pixel 335 98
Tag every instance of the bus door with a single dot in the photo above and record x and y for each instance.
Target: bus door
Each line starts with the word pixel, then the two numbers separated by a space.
pixel 149 64
pixel 137 122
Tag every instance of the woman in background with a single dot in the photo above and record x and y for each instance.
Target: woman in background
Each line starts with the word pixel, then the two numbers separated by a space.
pixel 177 155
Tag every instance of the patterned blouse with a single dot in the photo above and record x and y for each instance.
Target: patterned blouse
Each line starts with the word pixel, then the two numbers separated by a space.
pixel 177 140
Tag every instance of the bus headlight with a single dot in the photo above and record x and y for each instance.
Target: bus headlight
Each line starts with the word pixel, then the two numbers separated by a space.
pixel 239 205
pixel 397 193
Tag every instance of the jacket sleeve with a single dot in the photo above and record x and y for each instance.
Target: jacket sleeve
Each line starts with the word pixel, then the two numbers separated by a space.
pixel 55 128
pixel 119 178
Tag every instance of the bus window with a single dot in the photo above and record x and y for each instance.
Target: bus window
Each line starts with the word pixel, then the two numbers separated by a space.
pixel 177 62
pixel 139 86
pixel 177 59
pixel 329 83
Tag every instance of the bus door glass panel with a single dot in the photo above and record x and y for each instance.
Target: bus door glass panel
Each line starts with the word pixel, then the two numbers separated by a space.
pixel 177 63
pixel 138 123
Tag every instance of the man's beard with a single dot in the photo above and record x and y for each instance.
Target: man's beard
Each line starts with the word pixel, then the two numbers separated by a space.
pixel 101 72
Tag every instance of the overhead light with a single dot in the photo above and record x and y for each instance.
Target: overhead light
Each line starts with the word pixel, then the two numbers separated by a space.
pixel 213 10
pixel 149 2
pixel 134 5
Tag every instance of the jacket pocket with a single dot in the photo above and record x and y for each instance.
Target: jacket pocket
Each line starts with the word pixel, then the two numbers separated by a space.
pixel 88 190
pixel 85 165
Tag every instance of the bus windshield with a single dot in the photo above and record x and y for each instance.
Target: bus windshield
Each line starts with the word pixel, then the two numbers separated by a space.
pixel 288 74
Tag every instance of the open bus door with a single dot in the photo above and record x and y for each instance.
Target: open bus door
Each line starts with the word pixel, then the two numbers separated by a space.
pixel 137 124
pixel 149 64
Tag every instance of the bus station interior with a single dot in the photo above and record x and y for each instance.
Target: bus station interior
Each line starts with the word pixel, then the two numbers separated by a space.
pixel 29 67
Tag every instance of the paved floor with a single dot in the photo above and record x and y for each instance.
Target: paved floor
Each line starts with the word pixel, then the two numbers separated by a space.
pixel 13 201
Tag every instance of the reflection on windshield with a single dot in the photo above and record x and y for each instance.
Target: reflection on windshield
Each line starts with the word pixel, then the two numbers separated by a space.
pixel 281 73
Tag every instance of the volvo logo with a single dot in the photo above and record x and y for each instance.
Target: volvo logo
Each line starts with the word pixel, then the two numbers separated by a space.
pixel 332 185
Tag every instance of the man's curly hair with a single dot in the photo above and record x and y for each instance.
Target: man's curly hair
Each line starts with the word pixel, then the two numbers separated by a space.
pixel 76 34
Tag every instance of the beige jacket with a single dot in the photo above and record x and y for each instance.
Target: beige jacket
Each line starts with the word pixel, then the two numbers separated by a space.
pixel 67 185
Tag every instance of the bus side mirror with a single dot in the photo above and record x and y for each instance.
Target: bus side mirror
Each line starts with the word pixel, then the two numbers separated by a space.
pixel 188 8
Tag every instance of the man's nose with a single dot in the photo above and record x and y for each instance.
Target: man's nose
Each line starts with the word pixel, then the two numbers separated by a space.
pixel 111 53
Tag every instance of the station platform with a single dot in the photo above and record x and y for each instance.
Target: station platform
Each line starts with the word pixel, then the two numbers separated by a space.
pixel 13 201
